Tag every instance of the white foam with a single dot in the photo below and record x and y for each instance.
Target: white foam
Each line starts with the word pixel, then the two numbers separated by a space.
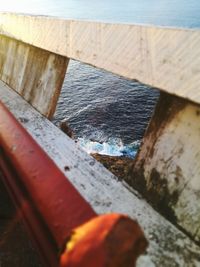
pixel 114 147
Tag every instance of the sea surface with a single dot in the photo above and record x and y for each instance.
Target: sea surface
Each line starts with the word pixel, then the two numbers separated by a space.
pixel 107 113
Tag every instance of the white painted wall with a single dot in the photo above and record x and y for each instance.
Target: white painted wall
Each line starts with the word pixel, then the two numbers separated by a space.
pixel 171 153
pixel 166 58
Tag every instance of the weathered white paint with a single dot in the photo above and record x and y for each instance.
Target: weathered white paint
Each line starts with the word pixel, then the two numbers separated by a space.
pixel 36 74
pixel 168 245
pixel 169 162
pixel 166 58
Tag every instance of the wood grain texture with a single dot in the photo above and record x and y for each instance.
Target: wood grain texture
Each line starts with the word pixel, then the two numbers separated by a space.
pixel 166 58
pixel 37 75
pixel 168 246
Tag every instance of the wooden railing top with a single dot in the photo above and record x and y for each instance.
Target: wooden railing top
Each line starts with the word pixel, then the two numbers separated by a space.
pixel 166 58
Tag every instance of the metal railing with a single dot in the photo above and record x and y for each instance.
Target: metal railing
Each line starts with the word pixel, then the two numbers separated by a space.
pixel 58 218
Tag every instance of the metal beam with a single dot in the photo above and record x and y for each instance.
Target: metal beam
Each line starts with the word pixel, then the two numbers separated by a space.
pixel 50 205
pixel 53 210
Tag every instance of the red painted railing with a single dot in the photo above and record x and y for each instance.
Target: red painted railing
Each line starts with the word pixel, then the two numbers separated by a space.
pixel 54 211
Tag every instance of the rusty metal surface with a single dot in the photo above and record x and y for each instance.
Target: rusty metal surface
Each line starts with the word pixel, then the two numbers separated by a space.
pixel 50 205
pixel 110 240
pixel 53 210
pixel 36 74
pixel 16 249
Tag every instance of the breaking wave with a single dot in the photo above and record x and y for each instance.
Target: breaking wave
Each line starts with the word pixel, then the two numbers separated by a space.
pixel 113 147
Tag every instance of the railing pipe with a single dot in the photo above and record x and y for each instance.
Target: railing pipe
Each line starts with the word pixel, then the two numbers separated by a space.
pixel 50 205
pixel 54 211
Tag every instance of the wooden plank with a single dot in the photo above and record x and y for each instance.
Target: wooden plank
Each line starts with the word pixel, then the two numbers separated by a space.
pixel 165 58
pixel 167 168
pixel 36 74
pixel 168 245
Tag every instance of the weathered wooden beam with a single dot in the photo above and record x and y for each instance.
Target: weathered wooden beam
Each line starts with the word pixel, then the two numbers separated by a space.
pixel 166 58
pixel 167 168
pixel 167 245
pixel 36 74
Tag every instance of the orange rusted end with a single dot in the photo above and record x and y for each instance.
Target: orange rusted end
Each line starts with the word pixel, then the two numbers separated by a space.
pixel 111 240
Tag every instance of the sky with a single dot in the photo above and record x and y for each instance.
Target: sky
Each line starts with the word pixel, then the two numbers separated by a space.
pixel 183 13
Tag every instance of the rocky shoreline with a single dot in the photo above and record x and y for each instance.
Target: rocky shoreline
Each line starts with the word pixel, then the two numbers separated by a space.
pixel 119 166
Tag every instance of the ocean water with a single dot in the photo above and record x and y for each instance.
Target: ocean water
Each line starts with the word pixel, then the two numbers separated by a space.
pixel 182 13
pixel 107 113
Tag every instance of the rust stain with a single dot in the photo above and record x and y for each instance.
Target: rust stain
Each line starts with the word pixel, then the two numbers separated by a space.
pixel 111 240
pixel 167 108
pixel 155 187
pixel 198 112
pixel 156 192
pixel 150 180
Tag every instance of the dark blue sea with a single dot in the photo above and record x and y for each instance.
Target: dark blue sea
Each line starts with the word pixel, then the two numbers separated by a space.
pixel 107 113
